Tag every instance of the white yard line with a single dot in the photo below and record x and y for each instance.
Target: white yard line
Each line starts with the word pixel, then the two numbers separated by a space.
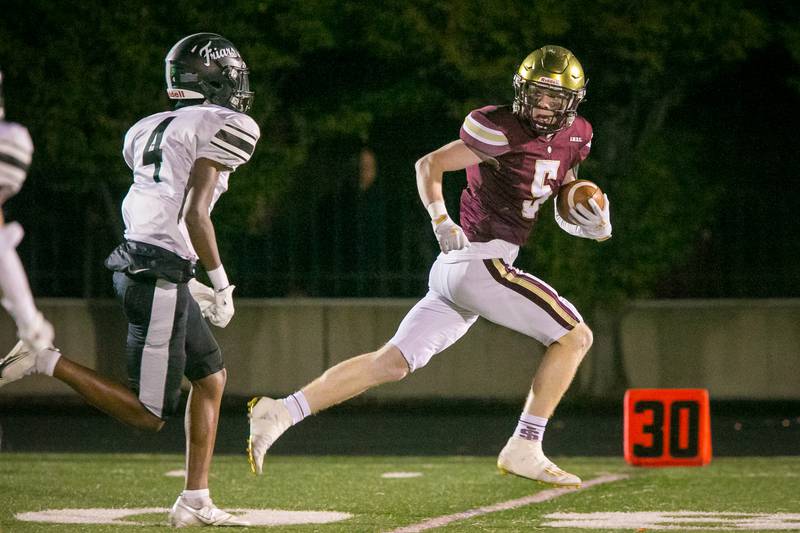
pixel 539 497
pixel 400 475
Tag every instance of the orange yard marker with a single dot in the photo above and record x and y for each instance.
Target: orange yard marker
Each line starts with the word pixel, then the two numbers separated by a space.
pixel 667 427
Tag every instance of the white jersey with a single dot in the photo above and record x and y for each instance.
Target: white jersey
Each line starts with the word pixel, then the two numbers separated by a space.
pixel 161 150
pixel 16 150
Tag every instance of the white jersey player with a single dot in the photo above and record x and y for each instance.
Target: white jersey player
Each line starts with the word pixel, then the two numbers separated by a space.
pixel 181 162
pixel 16 150
pixel 157 151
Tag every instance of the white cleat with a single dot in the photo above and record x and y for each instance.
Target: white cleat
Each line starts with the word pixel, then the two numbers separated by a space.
pixel 525 458
pixel 183 515
pixel 268 420
pixel 19 362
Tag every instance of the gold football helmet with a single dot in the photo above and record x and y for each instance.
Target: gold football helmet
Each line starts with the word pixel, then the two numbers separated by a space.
pixel 548 87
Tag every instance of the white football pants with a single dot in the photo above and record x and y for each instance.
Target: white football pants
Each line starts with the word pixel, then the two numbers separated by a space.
pixel 459 292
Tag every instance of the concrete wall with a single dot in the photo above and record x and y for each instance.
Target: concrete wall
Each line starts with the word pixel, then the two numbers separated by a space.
pixel 277 346
pixel 737 349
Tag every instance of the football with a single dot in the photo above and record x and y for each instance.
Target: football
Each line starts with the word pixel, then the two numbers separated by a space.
pixel 578 192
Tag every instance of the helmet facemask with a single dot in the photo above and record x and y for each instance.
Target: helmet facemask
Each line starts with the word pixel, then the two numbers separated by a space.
pixel 547 108
pixel 241 97
pixel 232 89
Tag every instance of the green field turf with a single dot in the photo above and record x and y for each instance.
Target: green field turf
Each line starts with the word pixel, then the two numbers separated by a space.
pixel 447 485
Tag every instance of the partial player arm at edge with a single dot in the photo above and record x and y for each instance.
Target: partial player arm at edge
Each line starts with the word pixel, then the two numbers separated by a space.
pixel 32 328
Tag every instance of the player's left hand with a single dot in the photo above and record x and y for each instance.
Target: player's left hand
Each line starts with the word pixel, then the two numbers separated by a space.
pixel 596 223
pixel 37 335
pixel 221 311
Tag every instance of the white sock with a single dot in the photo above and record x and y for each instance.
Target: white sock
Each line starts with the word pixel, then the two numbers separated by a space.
pixel 46 361
pixel 297 405
pixel 196 498
pixel 531 427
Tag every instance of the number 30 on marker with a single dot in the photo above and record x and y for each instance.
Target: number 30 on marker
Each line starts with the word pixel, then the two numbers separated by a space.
pixel 667 427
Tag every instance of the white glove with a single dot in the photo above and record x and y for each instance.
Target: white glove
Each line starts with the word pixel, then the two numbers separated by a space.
pixel 37 335
pixel 202 294
pixel 221 311
pixel 449 234
pixel 595 223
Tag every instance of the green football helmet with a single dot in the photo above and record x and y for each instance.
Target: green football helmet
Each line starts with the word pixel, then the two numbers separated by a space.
pixel 548 87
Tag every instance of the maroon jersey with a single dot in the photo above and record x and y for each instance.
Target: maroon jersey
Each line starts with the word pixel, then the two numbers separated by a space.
pixel 503 199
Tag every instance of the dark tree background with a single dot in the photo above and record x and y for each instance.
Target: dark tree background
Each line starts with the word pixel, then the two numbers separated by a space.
pixel 694 106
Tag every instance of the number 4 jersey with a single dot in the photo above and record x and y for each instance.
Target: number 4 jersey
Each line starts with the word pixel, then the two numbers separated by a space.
pixel 161 150
pixel 505 192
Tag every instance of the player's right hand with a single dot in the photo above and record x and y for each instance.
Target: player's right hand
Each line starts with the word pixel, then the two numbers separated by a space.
pixel 37 335
pixel 221 311
pixel 449 234
pixel 203 295
pixel 596 223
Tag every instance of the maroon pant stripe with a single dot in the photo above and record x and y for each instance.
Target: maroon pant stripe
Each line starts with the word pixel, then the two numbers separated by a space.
pixel 533 297
pixel 544 288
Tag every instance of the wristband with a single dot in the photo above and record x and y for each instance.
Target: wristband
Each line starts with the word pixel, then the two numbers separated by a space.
pixel 218 278
pixel 437 209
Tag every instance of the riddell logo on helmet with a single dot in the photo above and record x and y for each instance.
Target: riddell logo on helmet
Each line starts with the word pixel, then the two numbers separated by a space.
pixel 551 81
pixel 208 53
pixel 175 93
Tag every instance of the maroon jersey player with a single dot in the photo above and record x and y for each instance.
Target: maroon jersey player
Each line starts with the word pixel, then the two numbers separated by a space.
pixel 522 170
pixel 516 158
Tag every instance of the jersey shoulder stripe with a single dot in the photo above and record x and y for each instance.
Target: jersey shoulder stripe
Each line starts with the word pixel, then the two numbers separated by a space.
pixel 12 174
pixel 232 138
pixel 230 150
pixel 15 141
pixel 484 133
pixel 243 132
pixel 16 151
pixel 222 135
pixel 10 160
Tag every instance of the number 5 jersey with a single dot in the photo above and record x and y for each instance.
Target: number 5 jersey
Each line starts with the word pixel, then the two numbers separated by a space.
pixel 161 150
pixel 505 192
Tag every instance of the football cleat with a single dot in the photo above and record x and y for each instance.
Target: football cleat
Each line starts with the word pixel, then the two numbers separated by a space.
pixel 525 458
pixel 19 362
pixel 268 420
pixel 183 515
